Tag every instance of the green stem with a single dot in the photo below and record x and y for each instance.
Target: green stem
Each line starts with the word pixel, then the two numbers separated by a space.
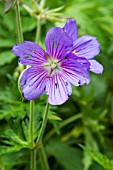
pixel 33 159
pixel 19 26
pixel 31 128
pixel 63 124
pixel 31 122
pixel 42 155
pixel 39 144
pixel 43 159
pixel 38 31
pixel 40 136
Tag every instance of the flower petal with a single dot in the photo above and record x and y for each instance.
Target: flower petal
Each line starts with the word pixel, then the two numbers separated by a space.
pixel 83 61
pixel 86 46
pixel 74 72
pixel 96 67
pixel 58 44
pixel 29 53
pixel 71 29
pixel 33 82
pixel 58 90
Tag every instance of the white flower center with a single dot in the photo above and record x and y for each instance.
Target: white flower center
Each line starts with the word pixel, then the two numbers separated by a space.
pixel 52 65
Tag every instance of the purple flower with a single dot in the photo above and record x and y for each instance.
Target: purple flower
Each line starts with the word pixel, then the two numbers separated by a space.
pixel 86 47
pixel 51 72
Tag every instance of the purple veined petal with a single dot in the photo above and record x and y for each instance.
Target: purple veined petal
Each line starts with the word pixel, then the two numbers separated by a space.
pixel 74 72
pixel 71 29
pixel 33 82
pixel 58 44
pixel 83 61
pixel 96 67
pixel 30 53
pixel 58 90
pixel 86 46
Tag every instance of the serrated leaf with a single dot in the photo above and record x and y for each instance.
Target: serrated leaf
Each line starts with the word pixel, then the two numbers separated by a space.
pixel 100 158
pixel 9 160
pixel 9 5
pixel 54 117
pixel 5 150
pixel 13 136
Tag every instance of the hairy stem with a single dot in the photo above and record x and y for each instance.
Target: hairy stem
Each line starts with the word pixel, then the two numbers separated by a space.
pixel 38 31
pixel 41 152
pixel 33 159
pixel 43 158
pixel 31 128
pixel 31 121
pixel 39 144
pixel 39 140
pixel 19 26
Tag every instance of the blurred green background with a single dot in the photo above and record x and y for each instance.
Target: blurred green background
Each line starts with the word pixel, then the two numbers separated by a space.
pixel 86 118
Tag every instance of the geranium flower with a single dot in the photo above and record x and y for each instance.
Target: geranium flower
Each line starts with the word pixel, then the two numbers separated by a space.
pixel 51 72
pixel 84 47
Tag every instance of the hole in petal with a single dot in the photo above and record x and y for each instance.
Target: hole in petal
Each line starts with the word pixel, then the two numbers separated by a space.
pixel 66 83
pixel 33 51
pixel 55 44
pixel 56 85
pixel 24 83
pixel 68 95
pixel 44 88
pixel 28 56
pixel 66 57
pixel 79 82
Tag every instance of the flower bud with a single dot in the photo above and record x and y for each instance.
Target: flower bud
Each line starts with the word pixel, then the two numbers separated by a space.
pixel 19 85
pixel 9 5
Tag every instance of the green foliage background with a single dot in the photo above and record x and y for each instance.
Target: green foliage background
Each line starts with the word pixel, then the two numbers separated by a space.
pixel 86 118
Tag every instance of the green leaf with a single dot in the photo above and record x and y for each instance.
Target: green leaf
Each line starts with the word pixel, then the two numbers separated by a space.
pixel 28 23
pixel 75 132
pixel 6 57
pixel 9 160
pixel 67 156
pixel 7 43
pixel 100 158
pixel 12 138
pixel 5 150
pixel 87 13
pixel 89 142
pixel 11 103
pixel 52 116
pixel 12 134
